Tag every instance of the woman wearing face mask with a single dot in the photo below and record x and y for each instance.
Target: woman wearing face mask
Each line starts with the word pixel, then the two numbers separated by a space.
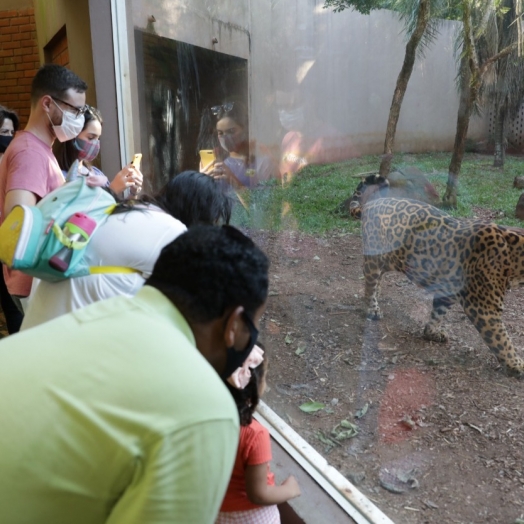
pixel 9 124
pixel 86 147
pixel 307 139
pixel 235 165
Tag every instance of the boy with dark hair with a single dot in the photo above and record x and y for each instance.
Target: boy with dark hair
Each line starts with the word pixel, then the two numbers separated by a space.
pixel 29 169
pixel 111 414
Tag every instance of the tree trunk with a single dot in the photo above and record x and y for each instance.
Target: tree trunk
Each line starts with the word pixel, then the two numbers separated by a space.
pixel 470 78
pixel 402 84
pixel 468 96
pixel 499 138
pixel 473 73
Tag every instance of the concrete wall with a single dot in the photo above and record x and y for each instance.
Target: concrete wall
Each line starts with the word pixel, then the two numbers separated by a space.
pixel 197 22
pixel 345 64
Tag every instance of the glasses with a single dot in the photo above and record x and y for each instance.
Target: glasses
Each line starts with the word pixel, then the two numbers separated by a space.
pixel 224 108
pixel 78 111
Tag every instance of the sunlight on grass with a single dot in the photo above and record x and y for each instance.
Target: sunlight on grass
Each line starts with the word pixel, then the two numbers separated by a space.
pixel 310 204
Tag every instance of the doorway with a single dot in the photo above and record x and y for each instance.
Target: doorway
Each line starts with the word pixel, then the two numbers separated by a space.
pixel 177 84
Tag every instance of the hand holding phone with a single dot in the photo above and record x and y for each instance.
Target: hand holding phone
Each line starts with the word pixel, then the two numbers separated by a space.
pixel 137 187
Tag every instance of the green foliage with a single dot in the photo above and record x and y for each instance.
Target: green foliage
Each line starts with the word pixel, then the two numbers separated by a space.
pixel 445 10
pixel 310 204
pixel 362 6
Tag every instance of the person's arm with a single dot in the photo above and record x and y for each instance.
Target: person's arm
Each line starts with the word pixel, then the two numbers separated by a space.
pixel 29 178
pixel 18 197
pixel 181 477
pixel 258 491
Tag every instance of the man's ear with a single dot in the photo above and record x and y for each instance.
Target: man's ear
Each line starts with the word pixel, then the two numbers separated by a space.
pixel 232 325
pixel 45 103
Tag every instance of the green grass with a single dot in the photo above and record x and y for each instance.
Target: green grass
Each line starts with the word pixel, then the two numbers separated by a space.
pixel 316 192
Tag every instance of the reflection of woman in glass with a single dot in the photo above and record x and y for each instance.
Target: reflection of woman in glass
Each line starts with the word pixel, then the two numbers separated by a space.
pixel 234 164
pixel 308 139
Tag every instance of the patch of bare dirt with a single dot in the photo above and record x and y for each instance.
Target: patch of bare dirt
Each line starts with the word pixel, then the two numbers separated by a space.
pixel 440 426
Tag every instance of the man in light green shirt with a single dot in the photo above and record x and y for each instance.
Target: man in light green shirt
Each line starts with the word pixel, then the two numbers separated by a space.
pixel 111 415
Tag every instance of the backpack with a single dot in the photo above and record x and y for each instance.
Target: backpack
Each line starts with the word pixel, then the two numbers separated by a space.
pixel 49 240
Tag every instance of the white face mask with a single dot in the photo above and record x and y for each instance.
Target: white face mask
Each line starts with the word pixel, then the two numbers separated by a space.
pixel 293 119
pixel 231 143
pixel 70 127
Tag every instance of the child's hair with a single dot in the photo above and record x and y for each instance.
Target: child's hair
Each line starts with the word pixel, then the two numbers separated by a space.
pixel 191 197
pixel 247 399
pixel 195 198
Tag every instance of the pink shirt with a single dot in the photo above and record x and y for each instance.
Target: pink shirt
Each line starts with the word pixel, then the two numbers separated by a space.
pixel 254 448
pixel 28 164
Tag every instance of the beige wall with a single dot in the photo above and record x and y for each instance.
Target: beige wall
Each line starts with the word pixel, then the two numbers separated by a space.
pixel 5 5
pixel 51 16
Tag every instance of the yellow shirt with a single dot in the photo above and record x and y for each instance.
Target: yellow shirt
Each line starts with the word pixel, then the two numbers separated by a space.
pixel 111 415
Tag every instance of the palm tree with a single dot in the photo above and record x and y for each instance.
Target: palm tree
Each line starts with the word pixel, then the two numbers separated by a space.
pixel 505 87
pixel 421 20
pixel 479 55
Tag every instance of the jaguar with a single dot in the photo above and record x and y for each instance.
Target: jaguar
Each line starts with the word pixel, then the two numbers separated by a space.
pixel 471 262
pixel 369 187
pixel 406 182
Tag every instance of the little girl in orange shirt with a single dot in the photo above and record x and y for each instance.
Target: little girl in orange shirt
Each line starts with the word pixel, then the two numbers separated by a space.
pixel 252 497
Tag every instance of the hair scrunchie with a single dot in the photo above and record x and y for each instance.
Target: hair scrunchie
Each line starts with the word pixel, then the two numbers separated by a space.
pixel 240 378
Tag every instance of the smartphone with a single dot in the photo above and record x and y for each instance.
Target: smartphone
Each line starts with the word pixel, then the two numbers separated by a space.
pixel 207 157
pixel 136 160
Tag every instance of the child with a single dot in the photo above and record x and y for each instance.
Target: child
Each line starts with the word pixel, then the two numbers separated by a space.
pixel 252 497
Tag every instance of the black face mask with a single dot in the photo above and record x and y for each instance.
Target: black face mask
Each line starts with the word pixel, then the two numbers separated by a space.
pixel 235 358
pixel 4 142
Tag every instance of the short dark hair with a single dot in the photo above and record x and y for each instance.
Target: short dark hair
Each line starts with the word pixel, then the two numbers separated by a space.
pixel 55 80
pixel 247 399
pixel 66 152
pixel 11 115
pixel 209 270
pixel 195 198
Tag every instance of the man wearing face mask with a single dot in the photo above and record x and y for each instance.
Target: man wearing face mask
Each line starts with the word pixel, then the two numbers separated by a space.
pixel 118 412
pixel 29 169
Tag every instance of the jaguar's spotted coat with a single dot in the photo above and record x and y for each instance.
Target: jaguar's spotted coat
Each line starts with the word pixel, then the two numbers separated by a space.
pixel 472 262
